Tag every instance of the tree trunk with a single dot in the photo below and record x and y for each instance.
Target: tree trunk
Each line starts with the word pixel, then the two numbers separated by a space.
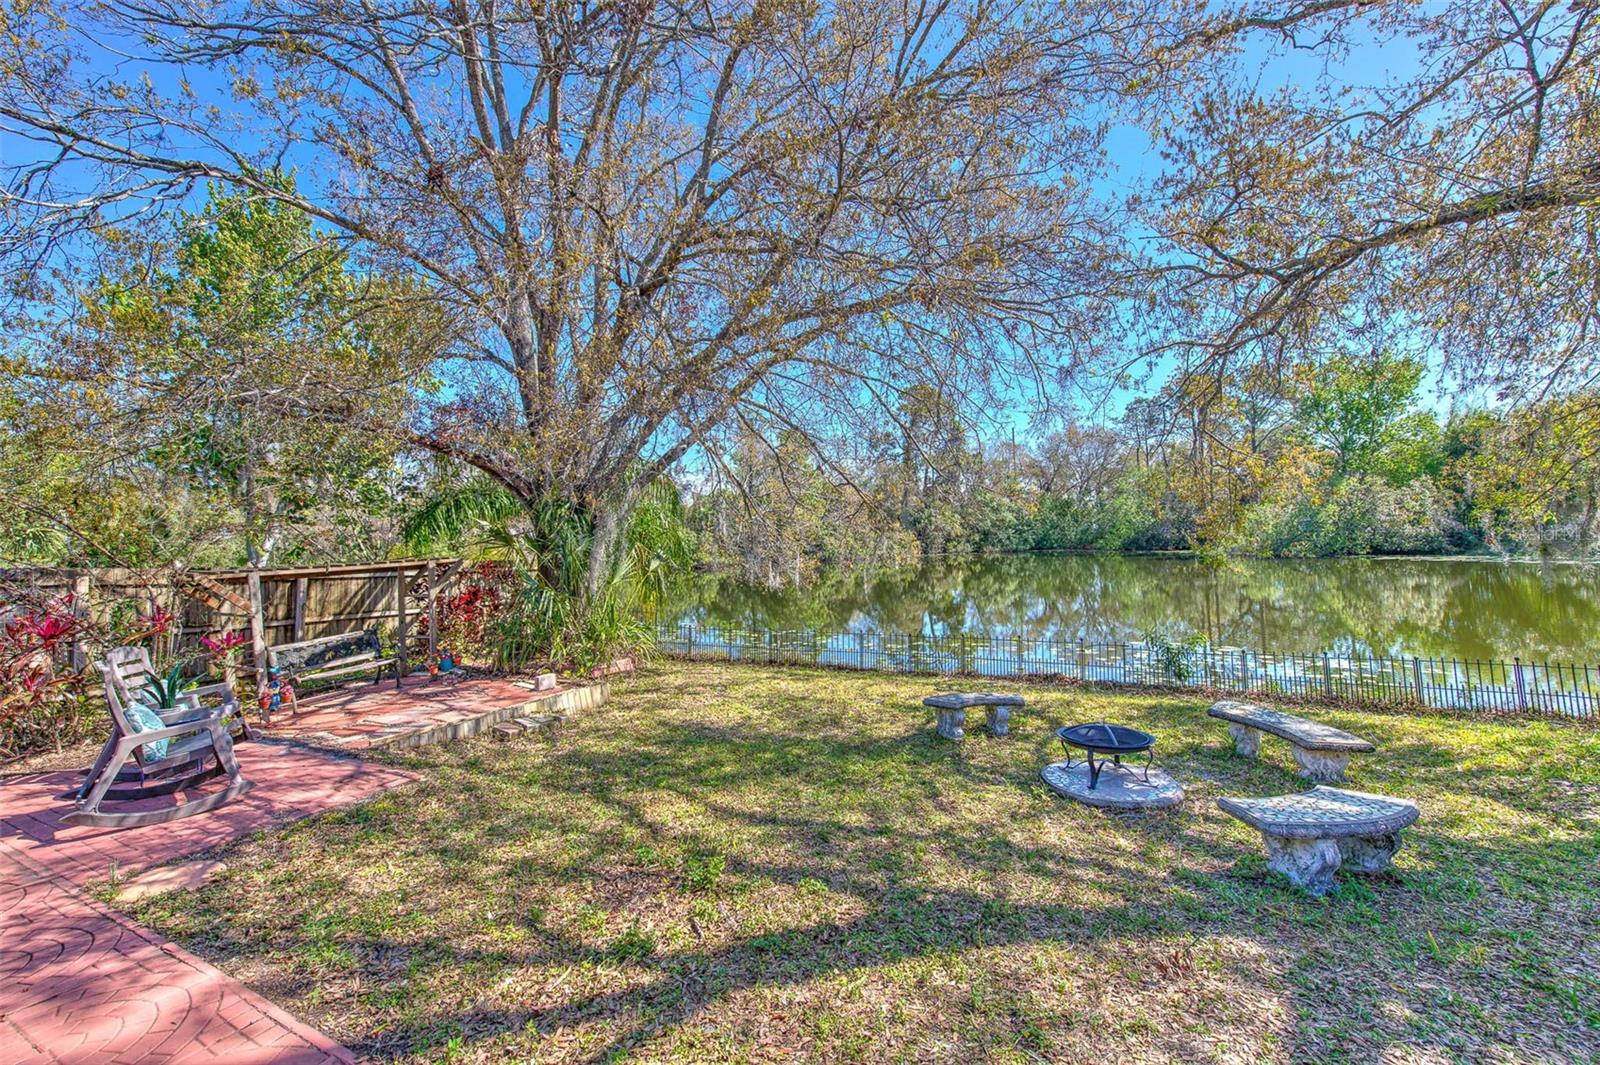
pixel 608 523
pixel 1591 502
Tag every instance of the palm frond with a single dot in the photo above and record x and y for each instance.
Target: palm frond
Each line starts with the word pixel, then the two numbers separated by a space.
pixel 461 517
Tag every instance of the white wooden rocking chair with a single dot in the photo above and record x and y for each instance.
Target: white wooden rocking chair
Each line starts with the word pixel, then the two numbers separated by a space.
pixel 199 747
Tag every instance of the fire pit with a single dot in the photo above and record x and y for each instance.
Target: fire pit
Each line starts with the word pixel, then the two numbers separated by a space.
pixel 1103 739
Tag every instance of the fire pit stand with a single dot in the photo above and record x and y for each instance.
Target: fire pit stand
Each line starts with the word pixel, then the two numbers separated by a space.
pixel 1103 739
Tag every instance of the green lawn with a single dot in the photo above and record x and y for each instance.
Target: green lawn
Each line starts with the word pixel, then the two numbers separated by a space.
pixel 750 864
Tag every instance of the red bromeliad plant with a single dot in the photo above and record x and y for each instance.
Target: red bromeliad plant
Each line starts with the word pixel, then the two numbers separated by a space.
pixel 42 700
pixel 222 650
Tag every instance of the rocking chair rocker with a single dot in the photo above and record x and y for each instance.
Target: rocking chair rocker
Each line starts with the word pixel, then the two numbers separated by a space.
pixel 198 748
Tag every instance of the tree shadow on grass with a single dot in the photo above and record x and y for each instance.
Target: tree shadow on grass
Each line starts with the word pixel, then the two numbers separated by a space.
pixel 860 810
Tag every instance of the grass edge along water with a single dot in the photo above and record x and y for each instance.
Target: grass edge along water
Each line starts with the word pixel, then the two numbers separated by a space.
pixel 1555 689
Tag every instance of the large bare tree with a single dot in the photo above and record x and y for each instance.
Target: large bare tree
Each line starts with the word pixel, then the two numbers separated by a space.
pixel 646 220
pixel 644 216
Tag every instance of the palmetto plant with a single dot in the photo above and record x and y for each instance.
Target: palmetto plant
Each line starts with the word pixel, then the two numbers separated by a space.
pixel 549 616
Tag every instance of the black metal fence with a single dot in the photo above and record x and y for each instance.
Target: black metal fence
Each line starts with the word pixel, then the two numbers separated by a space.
pixel 1558 689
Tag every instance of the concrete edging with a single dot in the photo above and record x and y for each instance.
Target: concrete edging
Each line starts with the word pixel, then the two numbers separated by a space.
pixel 566 700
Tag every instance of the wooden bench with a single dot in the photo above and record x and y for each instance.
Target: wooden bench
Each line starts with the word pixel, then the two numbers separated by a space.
pixel 1311 835
pixel 328 657
pixel 1322 751
pixel 952 709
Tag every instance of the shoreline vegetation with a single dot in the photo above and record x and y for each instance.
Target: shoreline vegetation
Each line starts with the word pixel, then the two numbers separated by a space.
pixel 721 569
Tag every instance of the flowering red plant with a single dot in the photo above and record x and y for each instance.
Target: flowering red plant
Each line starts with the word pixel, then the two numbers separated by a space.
pixel 225 642
pixel 40 698
pixel 467 618
pixel 157 622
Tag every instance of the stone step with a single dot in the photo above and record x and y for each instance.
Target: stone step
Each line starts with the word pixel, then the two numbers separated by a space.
pixel 516 726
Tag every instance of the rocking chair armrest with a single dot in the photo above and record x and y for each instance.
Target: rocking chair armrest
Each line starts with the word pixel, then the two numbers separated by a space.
pixel 182 714
pixel 186 728
pixel 207 691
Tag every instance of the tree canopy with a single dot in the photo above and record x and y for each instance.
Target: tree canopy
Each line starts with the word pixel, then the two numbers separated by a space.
pixel 604 233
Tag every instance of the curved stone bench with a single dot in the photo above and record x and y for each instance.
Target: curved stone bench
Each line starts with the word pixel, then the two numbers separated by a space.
pixel 1322 751
pixel 952 709
pixel 1310 835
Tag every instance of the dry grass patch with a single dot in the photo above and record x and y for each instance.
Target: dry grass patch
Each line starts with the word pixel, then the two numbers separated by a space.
pixel 743 864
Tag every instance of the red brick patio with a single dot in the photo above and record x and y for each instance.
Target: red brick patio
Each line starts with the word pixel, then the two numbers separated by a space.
pixel 422 711
pixel 79 983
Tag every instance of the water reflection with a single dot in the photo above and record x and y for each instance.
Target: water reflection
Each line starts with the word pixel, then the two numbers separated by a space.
pixel 1429 607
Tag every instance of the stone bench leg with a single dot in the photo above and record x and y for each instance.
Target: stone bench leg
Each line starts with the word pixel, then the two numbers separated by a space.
pixel 1308 864
pixel 1246 740
pixel 951 722
pixel 999 720
pixel 1323 767
pixel 1369 854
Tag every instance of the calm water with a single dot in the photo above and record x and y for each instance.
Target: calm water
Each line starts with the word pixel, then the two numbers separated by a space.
pixel 1428 607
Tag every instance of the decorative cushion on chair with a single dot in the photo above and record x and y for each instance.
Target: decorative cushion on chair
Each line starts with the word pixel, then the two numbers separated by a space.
pixel 145 719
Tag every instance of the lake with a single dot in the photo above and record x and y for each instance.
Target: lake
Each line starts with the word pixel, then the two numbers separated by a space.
pixel 1439 608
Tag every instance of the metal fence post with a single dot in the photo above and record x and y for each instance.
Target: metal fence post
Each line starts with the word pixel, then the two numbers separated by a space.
pixel 1327 676
pixel 1416 678
pixel 1522 691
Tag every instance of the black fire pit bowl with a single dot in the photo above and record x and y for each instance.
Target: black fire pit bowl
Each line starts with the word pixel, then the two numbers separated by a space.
pixel 1103 739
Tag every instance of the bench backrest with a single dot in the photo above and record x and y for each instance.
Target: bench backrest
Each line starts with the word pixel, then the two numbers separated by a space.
pixel 325 650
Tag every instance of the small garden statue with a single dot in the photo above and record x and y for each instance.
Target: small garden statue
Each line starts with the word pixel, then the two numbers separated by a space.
pixel 273 694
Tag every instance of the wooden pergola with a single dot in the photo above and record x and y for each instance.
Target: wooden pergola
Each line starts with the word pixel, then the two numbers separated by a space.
pixel 251 594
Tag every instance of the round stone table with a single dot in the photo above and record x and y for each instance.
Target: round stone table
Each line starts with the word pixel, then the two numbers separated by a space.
pixel 1119 787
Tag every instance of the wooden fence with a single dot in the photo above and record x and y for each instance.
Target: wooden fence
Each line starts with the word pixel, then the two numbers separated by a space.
pixel 271 606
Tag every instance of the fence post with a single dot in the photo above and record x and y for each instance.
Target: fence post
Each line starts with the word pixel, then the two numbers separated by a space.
pixel 402 629
pixel 80 608
pixel 298 630
pixel 1416 678
pixel 258 633
pixel 1083 662
pixel 1327 676
pixel 433 611
pixel 1522 692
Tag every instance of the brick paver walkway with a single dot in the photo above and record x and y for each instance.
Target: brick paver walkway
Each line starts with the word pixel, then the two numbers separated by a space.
pixel 81 984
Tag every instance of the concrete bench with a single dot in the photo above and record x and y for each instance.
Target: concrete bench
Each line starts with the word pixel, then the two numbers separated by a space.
pixel 1309 836
pixel 952 709
pixel 1322 751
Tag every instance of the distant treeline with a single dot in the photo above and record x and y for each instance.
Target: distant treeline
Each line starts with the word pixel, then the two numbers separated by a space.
pixel 1339 460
